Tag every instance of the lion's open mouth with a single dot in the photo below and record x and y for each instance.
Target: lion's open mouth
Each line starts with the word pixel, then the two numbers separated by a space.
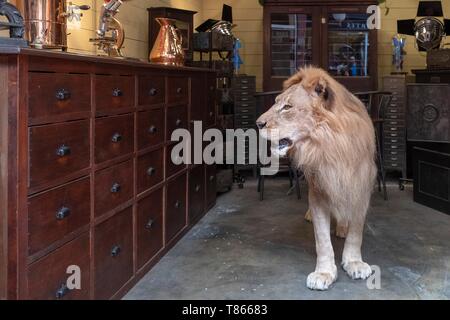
pixel 284 143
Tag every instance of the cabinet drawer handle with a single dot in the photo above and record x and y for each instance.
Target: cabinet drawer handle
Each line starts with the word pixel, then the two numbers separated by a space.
pixel 244 81
pixel 117 92
pixel 62 213
pixel 153 92
pixel 211 178
pixel 149 224
pixel 115 251
pixel 244 99
pixel 211 88
pixel 117 137
pixel 62 291
pixel 151 171
pixel 62 94
pixel 197 188
pixel 178 122
pixel 177 204
pixel 63 151
pixel 152 130
pixel 394 140
pixel 211 113
pixel 179 90
pixel 115 188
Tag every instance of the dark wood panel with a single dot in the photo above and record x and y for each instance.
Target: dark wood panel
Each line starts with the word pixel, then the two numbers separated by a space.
pixel 52 96
pixel 177 90
pixel 210 101
pixel 151 128
pixel 198 98
pixel 58 150
pixel 171 167
pixel 56 213
pixel 113 186
pixel 175 218
pixel 176 119
pixel 152 89
pixel 210 183
pixel 114 137
pixel 149 226
pixel 196 193
pixel 47 278
pixel 150 170
pixel 113 92
pixel 113 254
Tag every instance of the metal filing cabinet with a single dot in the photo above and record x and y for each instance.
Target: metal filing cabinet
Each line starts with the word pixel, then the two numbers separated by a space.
pixel 243 88
pixel 394 132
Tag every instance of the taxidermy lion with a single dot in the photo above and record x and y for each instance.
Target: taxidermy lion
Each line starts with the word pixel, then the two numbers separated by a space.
pixel 329 135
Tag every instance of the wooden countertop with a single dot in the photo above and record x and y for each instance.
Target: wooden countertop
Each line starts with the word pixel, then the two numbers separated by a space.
pixel 55 54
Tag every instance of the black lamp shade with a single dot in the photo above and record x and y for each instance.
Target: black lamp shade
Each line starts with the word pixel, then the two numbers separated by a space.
pixel 430 9
pixel 227 13
pixel 447 26
pixel 406 26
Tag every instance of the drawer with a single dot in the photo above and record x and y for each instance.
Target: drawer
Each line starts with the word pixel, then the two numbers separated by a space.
pixel 150 170
pixel 244 123
pixel 113 254
pixel 178 92
pixel 394 153
pixel 57 95
pixel 394 140
pixel 198 98
pixel 58 150
pixel 175 207
pixel 149 226
pixel 152 90
pixel 390 122
pixel 394 135
pixel 113 186
pixel 393 165
pixel 171 167
pixel 57 213
pixel 245 117
pixel 196 193
pixel 151 128
pixel 113 92
pixel 389 129
pixel 394 111
pixel 243 81
pixel 394 158
pixel 114 137
pixel 47 278
pixel 210 185
pixel 394 116
pixel 393 147
pixel 176 119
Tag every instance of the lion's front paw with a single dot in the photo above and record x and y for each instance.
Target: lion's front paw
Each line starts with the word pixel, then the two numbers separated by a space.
pixel 320 280
pixel 357 269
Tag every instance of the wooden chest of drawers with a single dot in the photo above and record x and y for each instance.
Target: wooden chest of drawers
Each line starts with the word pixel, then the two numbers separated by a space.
pixel 88 191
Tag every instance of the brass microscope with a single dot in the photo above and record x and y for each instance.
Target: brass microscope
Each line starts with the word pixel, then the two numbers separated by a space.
pixel 110 32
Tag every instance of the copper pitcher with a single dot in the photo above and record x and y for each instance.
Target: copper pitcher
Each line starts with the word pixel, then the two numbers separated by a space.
pixel 168 49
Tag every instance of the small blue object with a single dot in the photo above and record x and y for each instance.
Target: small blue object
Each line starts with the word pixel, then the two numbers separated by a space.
pixel 237 61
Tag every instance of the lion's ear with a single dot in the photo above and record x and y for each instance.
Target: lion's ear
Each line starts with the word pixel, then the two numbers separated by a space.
pixel 321 89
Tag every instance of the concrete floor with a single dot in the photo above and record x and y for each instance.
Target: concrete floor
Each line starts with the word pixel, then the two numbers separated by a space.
pixel 247 249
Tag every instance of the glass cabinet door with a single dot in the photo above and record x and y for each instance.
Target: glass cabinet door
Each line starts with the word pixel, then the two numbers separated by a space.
pixel 348 44
pixel 291 43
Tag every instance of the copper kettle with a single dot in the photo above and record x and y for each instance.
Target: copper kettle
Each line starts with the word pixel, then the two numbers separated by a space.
pixel 168 48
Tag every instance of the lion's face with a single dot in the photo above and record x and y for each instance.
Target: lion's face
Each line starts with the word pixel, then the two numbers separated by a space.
pixel 291 119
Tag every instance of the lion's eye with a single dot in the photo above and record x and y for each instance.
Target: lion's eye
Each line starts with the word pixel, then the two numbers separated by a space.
pixel 286 107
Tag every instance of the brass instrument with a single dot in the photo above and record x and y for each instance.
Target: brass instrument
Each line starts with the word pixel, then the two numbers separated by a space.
pixel 110 32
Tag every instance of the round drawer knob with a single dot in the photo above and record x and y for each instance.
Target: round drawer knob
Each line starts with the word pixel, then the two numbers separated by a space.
pixel 177 204
pixel 178 122
pixel 62 213
pixel 117 137
pixel 197 188
pixel 117 92
pixel 62 94
pixel 211 178
pixel 179 90
pixel 63 151
pixel 149 224
pixel 151 171
pixel 115 188
pixel 115 251
pixel 152 130
pixel 153 92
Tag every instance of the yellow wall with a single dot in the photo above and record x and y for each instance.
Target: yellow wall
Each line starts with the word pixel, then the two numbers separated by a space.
pixel 248 15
